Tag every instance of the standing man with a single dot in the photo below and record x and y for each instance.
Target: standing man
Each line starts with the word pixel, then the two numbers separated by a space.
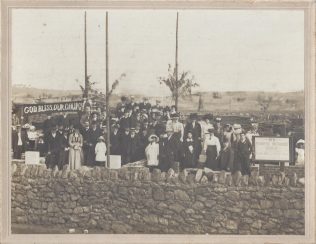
pixel 125 137
pixel 145 104
pixel 18 142
pixel 85 147
pixel 195 128
pixel 53 148
pixel 93 134
pixel 168 149
pixel 133 146
pixel 115 140
pixel 219 132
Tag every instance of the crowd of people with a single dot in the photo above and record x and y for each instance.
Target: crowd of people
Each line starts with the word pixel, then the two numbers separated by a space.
pixel 138 131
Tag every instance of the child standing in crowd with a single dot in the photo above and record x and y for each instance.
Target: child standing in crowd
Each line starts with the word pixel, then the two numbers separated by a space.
pixel 300 152
pixel 100 152
pixel 189 151
pixel 152 152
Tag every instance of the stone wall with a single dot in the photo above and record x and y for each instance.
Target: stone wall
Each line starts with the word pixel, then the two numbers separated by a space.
pixel 137 201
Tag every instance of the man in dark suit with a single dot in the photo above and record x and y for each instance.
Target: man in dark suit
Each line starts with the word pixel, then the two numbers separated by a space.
pixel 145 104
pixel 85 134
pixel 168 150
pixel 195 128
pixel 125 122
pixel 19 140
pixel 115 141
pixel 133 146
pixel 93 134
pixel 53 148
pixel 124 142
pixel 48 124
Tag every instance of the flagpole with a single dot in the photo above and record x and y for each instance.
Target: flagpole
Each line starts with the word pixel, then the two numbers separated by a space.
pixel 107 89
pixel 86 85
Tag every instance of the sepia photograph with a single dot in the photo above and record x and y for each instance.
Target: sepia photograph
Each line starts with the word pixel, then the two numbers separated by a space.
pixel 158 121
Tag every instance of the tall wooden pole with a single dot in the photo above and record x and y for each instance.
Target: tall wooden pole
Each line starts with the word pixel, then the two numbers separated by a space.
pixel 86 85
pixel 107 88
pixel 176 64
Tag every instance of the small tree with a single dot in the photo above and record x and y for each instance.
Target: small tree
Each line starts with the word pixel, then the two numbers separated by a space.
pixel 181 87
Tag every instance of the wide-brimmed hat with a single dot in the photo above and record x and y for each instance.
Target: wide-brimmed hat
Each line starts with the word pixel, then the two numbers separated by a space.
pixel 218 119
pixel 101 138
pixel 211 130
pixel 152 137
pixel 300 141
pixel 175 116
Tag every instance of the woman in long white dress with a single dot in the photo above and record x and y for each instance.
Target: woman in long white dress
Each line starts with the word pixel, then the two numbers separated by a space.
pixel 75 149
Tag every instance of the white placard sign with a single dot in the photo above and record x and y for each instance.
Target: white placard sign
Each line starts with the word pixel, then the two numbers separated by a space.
pixel 32 157
pixel 115 162
pixel 272 149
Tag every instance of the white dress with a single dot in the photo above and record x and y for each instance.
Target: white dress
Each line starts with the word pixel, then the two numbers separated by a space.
pixel 300 156
pixel 100 152
pixel 152 152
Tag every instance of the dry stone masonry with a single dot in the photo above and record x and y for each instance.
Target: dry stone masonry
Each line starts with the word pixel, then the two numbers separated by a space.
pixel 133 200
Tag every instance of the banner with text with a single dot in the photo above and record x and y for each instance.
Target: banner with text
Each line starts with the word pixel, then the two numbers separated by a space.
pixel 73 106
pixel 272 149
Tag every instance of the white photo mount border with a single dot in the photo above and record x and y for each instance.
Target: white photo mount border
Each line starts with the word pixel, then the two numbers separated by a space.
pixel 310 124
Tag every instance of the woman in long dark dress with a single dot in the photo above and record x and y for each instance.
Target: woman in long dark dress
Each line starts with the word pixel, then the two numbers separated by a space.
pixel 243 152
pixel 212 147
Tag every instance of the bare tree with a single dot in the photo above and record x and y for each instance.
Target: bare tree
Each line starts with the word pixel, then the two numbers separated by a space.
pixel 180 87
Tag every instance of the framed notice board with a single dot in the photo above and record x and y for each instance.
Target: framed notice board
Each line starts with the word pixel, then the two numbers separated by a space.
pixel 272 149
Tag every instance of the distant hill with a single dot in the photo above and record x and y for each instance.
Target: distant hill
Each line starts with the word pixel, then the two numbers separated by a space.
pixel 212 101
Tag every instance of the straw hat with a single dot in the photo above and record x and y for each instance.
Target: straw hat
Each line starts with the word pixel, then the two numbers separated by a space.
pixel 152 137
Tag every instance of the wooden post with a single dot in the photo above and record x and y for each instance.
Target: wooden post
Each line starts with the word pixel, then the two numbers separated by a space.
pixel 176 64
pixel 107 89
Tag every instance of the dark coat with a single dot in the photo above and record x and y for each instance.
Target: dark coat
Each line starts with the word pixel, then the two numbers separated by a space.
pixel 124 148
pixel 226 159
pixel 134 146
pixel 53 143
pixel 189 158
pixel 196 135
pixel 17 150
pixel 242 157
pixel 115 143
pixel 168 150
pixel 144 106
pixel 92 139
pixel 125 123
pixel 15 138
pixel 48 124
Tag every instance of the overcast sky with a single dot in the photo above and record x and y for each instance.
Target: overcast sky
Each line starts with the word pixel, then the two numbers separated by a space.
pixel 225 50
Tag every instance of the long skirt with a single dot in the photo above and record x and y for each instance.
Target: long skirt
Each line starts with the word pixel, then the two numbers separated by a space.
pixel 211 155
pixel 75 158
